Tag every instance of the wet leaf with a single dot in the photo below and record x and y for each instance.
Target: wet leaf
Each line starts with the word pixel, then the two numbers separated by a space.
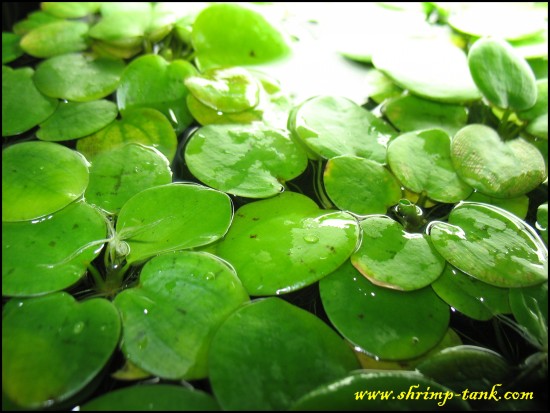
pixel 293 243
pixel 74 120
pixel 52 253
pixel 23 106
pixel 251 367
pixel 492 245
pixel 250 161
pixel 40 178
pixel 55 39
pixel 41 334
pixel 422 162
pixel 542 221
pixel 393 258
pixel 10 47
pixel 360 185
pixel 171 316
pixel 78 77
pixel 493 167
pixel 385 323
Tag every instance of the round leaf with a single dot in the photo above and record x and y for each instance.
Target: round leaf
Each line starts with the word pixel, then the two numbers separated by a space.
pixel 393 258
pixel 171 217
pixel 422 162
pixel 433 69
pixel 119 174
pixel 78 77
pixel 470 296
pixel 140 125
pixel 232 35
pixel 32 21
pixel 75 120
pixel 250 161
pixel 69 10
pixel 23 106
pixel 10 47
pixel 332 126
pixel 541 105
pixel 360 185
pixel 504 78
pixel 491 245
pixel 410 113
pixel 530 309
pixel 50 254
pixel 56 38
pixel 387 324
pixel 289 242
pixel 41 334
pixel 518 206
pixel 493 167
pixel 171 316
pixel 153 397
pixel 40 178
pixel 150 81
pixel 251 367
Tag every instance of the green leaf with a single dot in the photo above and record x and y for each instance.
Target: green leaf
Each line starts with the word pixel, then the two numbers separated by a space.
pixel 23 106
pixel 393 258
pixel 538 127
pixel 70 9
pixel 422 162
pixel 518 206
pixel 360 185
pixel 40 178
pixel 153 397
pixel 171 316
pixel 52 253
pixel 380 391
pixel 332 126
pixel 231 35
pixel 140 125
pixel 433 69
pixel 124 26
pixel 470 296
pixel 41 334
pixel 385 323
pixel 504 78
pixel 78 77
pixel 290 243
pixel 493 167
pixel 151 82
pixel 228 90
pixel 32 21
pixel 410 113
pixel 55 39
pixel 119 174
pixel 11 49
pixel 252 368
pixel 75 120
pixel 491 245
pixel 530 309
pixel 542 221
pixel 171 217
pixel 250 161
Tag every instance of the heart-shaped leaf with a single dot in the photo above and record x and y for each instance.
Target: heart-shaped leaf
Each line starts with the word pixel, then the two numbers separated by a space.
pixel 52 253
pixel 331 126
pixel 11 49
pixel 250 161
pixel 119 174
pixel 252 368
pixel 76 120
pixel 360 185
pixel 150 81
pixel 154 397
pixel 393 258
pixel 140 125
pixel 290 243
pixel 491 245
pixel 470 296
pixel 217 43
pixel 171 316
pixel 504 78
pixel 387 324
pixel 530 309
pixel 40 178
pixel 57 38
pixel 493 167
pixel 172 217
pixel 23 106
pixel 78 77
pixel 422 162
pixel 41 334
